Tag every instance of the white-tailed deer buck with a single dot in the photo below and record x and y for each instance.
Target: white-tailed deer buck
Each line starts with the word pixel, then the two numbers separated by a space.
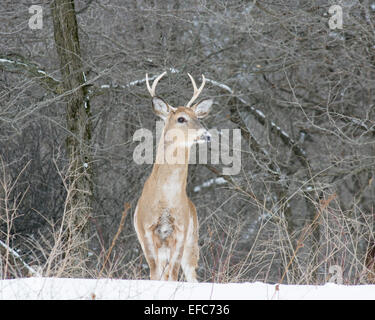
pixel 165 219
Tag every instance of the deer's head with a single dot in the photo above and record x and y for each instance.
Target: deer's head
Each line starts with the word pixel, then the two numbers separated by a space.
pixel 183 119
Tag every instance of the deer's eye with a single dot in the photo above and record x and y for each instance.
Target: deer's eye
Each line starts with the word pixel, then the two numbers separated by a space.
pixel 181 120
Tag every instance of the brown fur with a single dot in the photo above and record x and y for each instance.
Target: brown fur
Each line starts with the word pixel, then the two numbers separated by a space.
pixel 157 200
pixel 165 219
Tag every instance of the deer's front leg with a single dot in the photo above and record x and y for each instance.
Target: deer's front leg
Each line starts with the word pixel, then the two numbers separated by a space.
pixel 145 237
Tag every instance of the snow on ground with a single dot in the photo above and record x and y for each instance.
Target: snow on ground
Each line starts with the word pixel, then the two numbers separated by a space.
pixel 60 288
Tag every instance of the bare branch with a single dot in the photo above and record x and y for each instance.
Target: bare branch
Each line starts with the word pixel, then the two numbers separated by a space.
pixel 17 63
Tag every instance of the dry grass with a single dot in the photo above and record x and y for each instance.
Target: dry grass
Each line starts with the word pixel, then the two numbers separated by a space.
pixel 334 245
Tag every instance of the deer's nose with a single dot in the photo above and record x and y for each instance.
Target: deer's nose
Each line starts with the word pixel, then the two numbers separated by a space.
pixel 206 136
pixel 203 136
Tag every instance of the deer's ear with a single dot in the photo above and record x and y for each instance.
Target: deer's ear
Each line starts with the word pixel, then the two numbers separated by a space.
pixel 202 108
pixel 160 107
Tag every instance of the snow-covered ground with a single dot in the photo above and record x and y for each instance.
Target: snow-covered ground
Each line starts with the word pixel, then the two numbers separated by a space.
pixel 59 288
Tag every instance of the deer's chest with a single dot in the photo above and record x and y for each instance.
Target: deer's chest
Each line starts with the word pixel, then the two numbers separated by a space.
pixel 172 189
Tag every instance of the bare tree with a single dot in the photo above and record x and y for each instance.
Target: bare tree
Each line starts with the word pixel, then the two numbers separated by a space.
pixel 78 117
pixel 300 92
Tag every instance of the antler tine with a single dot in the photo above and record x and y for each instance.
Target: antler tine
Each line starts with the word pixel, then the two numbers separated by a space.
pixel 196 91
pixel 148 85
pixel 154 84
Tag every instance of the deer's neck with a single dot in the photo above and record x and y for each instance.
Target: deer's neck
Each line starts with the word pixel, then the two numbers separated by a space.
pixel 171 177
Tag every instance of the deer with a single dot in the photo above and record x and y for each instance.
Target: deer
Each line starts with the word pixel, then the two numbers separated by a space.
pixel 165 218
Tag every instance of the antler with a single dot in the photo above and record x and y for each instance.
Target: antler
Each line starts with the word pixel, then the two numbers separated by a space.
pixel 154 84
pixel 196 91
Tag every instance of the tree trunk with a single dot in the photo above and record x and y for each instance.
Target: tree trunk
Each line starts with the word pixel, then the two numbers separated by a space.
pixel 78 119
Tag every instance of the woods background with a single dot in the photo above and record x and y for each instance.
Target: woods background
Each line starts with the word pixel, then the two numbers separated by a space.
pixel 72 94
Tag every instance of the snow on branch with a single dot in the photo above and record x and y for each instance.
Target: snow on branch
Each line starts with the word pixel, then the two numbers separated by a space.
pixel 17 257
pixel 299 152
pixel 209 183
pixel 20 64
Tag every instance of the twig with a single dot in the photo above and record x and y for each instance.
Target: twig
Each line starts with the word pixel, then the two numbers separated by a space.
pixel 307 230
pixel 121 226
